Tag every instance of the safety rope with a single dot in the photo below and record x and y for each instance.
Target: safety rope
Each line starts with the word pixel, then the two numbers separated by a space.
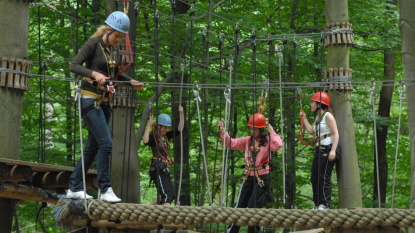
pixel 373 103
pixel 401 90
pixel 282 218
pixel 218 139
pixel 128 51
pixel 225 152
pixel 282 127
pixel 181 139
pixel 78 99
pixel 197 100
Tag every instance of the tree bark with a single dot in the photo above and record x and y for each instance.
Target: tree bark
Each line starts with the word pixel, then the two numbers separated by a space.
pixel 385 102
pixel 406 26
pixel 350 194
pixel 14 16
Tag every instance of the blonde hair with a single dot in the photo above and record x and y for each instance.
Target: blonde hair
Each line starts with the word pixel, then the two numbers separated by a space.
pixel 100 31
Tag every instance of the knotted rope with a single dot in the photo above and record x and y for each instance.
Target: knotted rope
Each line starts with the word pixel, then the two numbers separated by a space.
pixel 280 218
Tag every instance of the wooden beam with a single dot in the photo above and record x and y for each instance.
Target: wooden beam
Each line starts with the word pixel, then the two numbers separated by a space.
pixel 41 166
pixel 23 192
pixel 4 170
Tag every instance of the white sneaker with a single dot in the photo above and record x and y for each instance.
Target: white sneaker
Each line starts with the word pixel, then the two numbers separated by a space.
pixel 109 196
pixel 322 207
pixel 78 195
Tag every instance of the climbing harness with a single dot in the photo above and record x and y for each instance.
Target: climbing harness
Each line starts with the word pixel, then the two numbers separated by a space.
pixel 252 168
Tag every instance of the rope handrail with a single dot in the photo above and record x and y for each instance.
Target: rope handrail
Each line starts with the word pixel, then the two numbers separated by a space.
pixel 204 215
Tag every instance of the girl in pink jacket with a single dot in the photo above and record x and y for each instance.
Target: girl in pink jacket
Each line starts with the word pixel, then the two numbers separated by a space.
pixel 257 147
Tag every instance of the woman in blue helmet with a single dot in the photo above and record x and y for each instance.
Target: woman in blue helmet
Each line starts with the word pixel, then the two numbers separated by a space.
pixel 101 58
pixel 158 140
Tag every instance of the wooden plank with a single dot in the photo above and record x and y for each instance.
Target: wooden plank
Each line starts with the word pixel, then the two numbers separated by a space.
pixel 22 192
pixel 10 75
pixel 3 73
pixel 41 166
pixel 17 75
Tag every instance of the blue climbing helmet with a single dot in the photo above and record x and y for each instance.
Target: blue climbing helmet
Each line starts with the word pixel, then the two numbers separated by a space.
pixel 118 21
pixel 164 119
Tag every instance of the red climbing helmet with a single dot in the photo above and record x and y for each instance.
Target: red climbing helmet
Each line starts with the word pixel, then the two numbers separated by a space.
pixel 257 120
pixel 321 97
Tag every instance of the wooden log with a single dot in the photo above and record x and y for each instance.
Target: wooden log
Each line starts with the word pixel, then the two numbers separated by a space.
pixel 41 166
pixel 339 41
pixel 22 192
pixel 3 73
pixel 4 171
pixel 25 81
pixel 17 75
pixel 18 173
pixel 10 74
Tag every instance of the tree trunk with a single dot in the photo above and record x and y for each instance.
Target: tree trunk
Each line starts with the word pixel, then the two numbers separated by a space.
pixel 125 167
pixel 406 26
pixel 350 194
pixel 14 16
pixel 289 114
pixel 385 102
pixel 382 131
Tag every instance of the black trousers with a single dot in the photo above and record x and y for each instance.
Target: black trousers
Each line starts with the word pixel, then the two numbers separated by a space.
pixel 251 195
pixel 321 172
pixel 165 189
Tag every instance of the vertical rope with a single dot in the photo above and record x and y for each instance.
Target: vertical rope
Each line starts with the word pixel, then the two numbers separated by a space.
pixel 181 140
pixel 373 102
pixel 282 127
pixel 401 91
pixel 197 99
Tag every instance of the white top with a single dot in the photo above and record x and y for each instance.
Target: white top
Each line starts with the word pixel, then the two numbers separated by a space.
pixel 322 129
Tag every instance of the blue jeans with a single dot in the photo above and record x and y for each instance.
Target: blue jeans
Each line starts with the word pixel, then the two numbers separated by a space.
pixel 99 143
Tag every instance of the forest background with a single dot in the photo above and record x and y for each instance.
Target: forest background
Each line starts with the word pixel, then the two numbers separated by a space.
pixel 281 39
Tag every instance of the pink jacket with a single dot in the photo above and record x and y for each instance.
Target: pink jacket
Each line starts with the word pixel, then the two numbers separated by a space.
pixel 263 155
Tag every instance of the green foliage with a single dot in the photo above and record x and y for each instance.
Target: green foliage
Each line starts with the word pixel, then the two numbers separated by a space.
pixel 50 113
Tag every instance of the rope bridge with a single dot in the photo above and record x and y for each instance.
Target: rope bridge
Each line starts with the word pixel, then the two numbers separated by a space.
pixel 191 215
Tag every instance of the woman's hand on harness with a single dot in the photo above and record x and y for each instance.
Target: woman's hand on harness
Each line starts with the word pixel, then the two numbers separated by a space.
pixel 100 78
pixel 136 84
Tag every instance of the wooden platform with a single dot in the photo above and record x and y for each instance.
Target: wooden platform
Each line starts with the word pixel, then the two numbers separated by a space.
pixel 22 177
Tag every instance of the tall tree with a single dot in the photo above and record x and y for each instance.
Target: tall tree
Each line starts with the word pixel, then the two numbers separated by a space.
pixel 385 101
pixel 406 26
pixel 338 51
pixel 14 16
